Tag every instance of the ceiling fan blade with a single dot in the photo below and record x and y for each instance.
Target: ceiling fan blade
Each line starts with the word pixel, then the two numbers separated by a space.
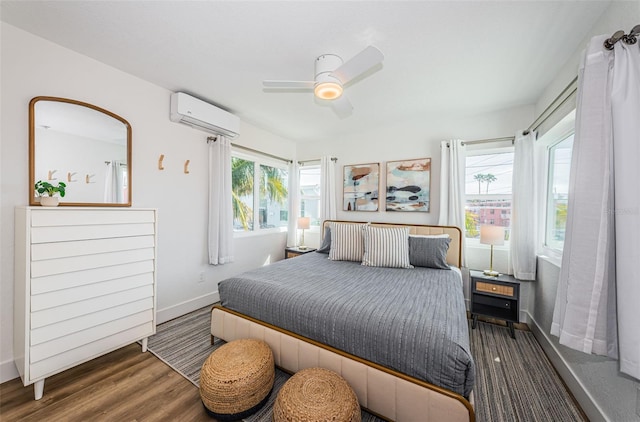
pixel 358 64
pixel 288 84
pixel 342 106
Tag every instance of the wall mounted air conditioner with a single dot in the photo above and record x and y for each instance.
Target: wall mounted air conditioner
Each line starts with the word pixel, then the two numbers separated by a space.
pixel 202 115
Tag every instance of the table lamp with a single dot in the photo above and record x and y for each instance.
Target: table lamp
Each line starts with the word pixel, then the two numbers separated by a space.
pixel 491 235
pixel 303 223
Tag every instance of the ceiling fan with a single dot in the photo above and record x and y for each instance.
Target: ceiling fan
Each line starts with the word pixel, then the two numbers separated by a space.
pixel 331 74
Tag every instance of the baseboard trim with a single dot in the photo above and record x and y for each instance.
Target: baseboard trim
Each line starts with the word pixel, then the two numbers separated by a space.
pixel 577 388
pixel 174 311
pixel 8 371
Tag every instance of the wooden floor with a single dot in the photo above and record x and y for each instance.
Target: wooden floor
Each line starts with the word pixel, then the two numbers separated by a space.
pixel 125 385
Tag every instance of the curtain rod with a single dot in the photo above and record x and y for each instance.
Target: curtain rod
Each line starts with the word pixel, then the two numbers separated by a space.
pixel 486 141
pixel 543 117
pixel 619 35
pixel 334 159
pixel 552 107
pixel 287 160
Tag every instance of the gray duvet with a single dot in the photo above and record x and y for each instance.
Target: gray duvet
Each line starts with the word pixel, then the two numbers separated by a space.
pixel 410 320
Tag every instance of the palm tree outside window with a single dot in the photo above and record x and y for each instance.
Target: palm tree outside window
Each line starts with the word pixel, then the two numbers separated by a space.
pixel 259 194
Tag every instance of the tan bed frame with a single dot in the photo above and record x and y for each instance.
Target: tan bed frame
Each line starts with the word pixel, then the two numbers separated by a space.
pixel 386 393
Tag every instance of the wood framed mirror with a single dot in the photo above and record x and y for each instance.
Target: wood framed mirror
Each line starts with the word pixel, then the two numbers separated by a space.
pixel 84 146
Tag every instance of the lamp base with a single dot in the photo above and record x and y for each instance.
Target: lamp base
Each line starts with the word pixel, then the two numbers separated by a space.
pixel 491 273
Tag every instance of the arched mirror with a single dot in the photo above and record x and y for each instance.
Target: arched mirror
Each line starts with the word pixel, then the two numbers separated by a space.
pixel 82 145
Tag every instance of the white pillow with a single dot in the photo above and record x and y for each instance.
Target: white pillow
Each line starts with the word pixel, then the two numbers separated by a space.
pixel 347 243
pixel 386 247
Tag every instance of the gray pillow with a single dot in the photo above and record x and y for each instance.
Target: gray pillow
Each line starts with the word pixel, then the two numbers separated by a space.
pixel 326 242
pixel 429 252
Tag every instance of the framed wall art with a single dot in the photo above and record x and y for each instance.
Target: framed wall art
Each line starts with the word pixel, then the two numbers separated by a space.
pixel 360 187
pixel 408 185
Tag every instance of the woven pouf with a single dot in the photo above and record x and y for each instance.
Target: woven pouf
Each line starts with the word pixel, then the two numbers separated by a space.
pixel 316 395
pixel 236 379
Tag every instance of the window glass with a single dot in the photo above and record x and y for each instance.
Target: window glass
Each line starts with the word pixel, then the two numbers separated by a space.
pixel 488 192
pixel 559 165
pixel 260 193
pixel 310 194
pixel 242 175
pixel 273 197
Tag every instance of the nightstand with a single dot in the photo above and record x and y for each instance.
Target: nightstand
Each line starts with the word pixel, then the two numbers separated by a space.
pixel 496 297
pixel 294 251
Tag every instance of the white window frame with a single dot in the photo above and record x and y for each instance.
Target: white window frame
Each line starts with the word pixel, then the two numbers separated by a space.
pixel 259 160
pixel 477 254
pixel 313 229
pixel 555 135
pixel 479 150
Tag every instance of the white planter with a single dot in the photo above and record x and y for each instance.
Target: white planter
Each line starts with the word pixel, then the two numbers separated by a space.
pixel 49 201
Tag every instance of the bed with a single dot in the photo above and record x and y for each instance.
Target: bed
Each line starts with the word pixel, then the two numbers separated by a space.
pixel 399 336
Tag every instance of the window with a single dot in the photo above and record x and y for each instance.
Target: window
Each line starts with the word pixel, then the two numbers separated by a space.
pixel 259 192
pixel 488 191
pixel 310 194
pixel 559 164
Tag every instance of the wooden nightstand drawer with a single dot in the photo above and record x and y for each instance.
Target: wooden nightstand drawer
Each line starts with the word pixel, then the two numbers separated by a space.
pixel 493 301
pixel 498 289
pixel 292 252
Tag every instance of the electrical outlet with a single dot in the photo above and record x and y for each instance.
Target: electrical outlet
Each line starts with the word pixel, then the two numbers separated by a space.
pixel 638 402
pixel 201 278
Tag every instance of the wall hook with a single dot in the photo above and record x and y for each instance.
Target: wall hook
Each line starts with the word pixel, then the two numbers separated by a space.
pixel 50 175
pixel 70 177
pixel 160 166
pixel 88 178
pixel 186 167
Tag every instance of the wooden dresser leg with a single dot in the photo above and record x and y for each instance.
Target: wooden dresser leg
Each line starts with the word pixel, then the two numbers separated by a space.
pixel 145 342
pixel 38 389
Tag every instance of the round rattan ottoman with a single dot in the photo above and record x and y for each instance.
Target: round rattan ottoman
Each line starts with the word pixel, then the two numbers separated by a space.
pixel 316 395
pixel 236 379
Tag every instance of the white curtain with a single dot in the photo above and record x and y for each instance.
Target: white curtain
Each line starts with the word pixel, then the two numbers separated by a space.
pixel 113 192
pixel 328 204
pixel 220 202
pixel 523 216
pixel 625 106
pixel 294 203
pixel 598 266
pixel 452 175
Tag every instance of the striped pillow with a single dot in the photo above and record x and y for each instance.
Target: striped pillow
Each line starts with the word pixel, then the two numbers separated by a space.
pixel 386 247
pixel 347 243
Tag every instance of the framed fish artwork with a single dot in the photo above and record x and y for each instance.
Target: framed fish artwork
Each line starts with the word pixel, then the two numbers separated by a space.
pixel 408 185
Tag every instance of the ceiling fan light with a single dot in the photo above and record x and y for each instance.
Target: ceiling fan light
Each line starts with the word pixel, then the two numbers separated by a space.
pixel 328 90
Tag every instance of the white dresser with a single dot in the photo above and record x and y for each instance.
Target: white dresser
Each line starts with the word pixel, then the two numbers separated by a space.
pixel 85 285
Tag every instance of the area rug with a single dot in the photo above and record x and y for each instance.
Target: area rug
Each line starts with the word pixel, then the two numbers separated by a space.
pixel 514 379
pixel 184 344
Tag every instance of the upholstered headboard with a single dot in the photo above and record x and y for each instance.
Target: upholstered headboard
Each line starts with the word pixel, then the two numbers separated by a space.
pixel 454 255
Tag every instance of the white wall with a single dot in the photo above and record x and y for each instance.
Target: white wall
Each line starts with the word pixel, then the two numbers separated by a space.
pixel 32 66
pixel 603 392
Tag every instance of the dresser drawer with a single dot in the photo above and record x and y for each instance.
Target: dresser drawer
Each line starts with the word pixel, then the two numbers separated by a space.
pixel 498 289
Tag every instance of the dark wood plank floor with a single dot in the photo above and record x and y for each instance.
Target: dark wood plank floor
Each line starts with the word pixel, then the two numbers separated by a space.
pixel 125 385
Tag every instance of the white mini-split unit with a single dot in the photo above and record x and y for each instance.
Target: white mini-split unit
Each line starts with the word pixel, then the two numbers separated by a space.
pixel 204 116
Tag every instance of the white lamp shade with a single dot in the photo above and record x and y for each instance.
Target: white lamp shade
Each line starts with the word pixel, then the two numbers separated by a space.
pixel 492 235
pixel 304 222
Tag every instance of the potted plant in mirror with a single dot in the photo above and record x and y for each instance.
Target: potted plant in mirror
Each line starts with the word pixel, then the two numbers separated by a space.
pixel 46 192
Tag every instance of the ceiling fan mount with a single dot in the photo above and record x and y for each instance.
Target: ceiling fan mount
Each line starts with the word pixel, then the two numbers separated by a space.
pixel 330 76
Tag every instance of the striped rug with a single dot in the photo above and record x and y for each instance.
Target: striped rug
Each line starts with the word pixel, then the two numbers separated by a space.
pixel 514 379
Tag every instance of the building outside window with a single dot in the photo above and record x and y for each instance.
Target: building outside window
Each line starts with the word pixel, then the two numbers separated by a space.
pixel 310 194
